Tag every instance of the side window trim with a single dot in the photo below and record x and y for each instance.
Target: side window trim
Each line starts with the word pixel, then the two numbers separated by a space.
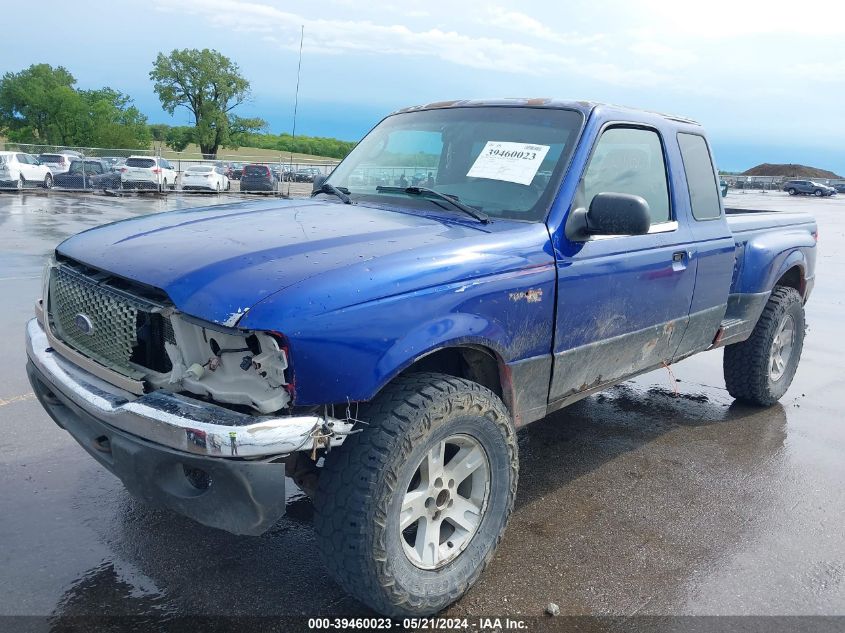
pixel 672 222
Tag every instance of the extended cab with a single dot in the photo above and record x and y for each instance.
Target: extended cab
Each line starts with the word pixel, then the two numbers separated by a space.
pixel 381 344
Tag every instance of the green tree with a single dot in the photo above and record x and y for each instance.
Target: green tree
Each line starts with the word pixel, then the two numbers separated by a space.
pixel 210 86
pixel 112 121
pixel 41 105
pixel 159 131
pixel 179 137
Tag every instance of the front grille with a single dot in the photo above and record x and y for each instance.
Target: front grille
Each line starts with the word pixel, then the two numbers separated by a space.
pixel 122 330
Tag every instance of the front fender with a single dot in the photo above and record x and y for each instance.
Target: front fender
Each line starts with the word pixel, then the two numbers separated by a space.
pixel 456 330
pixel 351 353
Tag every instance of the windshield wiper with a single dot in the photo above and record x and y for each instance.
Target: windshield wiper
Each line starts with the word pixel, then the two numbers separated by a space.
pixel 340 192
pixel 451 199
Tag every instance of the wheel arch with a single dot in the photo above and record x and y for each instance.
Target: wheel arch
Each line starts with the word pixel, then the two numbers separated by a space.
pixel 793 277
pixel 479 362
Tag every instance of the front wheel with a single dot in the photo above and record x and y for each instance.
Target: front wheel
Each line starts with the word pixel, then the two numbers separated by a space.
pixel 760 369
pixel 409 511
pixel 818 193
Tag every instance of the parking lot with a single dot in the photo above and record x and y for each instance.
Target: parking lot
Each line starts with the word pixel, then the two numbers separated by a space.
pixel 638 501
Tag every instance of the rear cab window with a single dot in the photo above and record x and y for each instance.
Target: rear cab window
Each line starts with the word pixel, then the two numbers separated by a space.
pixel 701 177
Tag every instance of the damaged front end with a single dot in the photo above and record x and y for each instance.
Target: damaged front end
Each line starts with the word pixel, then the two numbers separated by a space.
pixel 135 333
pixel 193 416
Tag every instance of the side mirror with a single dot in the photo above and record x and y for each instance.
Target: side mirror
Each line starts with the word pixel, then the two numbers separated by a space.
pixel 318 182
pixel 609 214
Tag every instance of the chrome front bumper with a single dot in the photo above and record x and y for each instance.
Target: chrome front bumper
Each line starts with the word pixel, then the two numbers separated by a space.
pixel 178 422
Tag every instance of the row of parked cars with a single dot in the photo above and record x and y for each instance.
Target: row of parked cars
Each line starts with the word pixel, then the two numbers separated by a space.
pixel 68 169
pixel 812 188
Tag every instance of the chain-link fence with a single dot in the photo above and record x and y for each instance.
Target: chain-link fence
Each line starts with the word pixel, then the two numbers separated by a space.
pixel 43 167
pixel 773 183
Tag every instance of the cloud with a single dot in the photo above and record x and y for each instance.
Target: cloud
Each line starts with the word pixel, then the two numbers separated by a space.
pixel 832 72
pixel 524 24
pixel 356 36
pixel 663 56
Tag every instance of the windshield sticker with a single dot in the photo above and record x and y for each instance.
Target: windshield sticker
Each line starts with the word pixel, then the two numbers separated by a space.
pixel 511 162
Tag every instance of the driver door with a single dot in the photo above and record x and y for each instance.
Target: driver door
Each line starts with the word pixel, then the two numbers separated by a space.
pixel 623 300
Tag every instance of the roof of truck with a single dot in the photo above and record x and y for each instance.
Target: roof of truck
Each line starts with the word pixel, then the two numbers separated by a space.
pixel 537 102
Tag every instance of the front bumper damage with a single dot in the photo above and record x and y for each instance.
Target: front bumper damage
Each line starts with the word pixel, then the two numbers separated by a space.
pixel 219 467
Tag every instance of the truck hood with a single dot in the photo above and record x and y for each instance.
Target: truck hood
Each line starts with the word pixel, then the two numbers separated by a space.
pixel 216 263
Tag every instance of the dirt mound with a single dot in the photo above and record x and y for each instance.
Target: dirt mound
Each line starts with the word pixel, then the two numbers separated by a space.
pixel 790 170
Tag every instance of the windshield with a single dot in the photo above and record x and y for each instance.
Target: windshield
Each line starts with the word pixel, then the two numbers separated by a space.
pixel 504 161
pixel 140 162
pixel 90 167
pixel 256 170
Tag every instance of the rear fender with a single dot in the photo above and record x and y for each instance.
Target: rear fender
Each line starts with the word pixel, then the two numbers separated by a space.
pixel 766 258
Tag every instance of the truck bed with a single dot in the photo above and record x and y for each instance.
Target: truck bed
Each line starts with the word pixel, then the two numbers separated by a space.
pixel 768 245
pixel 746 220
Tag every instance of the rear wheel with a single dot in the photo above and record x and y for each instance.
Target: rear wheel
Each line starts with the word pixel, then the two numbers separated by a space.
pixel 48 181
pixel 409 511
pixel 760 369
pixel 791 191
pixel 21 182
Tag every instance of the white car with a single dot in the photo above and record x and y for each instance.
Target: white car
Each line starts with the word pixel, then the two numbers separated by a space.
pixel 57 163
pixel 18 169
pixel 147 172
pixel 204 178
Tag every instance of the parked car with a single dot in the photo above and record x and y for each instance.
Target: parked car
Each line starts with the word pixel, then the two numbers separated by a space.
pixel 282 172
pixel 840 187
pixel 807 187
pixel 113 162
pixel 88 173
pixel 306 174
pixel 237 171
pixel 148 172
pixel 383 353
pixel 225 168
pixel 258 178
pixel 56 163
pixel 17 170
pixel 204 178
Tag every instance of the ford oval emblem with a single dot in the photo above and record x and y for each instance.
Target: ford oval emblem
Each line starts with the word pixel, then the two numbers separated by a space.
pixel 84 324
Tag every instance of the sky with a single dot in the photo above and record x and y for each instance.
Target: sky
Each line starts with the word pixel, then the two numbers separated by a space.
pixel 766 78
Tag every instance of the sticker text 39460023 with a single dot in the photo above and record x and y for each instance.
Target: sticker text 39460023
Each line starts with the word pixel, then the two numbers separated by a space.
pixel 511 162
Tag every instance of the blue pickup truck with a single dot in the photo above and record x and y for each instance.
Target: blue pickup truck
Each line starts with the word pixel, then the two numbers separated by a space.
pixel 381 342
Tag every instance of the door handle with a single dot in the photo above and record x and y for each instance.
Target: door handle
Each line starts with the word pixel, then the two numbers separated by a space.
pixel 680 260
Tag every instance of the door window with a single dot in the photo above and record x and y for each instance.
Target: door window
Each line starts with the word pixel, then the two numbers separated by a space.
pixel 630 160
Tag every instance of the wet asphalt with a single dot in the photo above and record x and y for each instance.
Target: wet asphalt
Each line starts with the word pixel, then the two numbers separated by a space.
pixel 658 497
